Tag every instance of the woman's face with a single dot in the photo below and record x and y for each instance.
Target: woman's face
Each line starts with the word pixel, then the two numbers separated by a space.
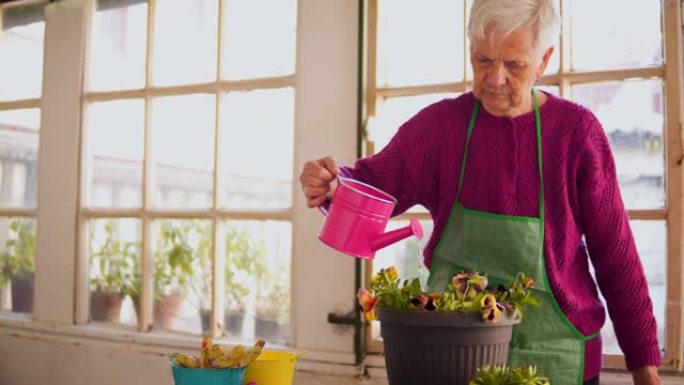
pixel 505 70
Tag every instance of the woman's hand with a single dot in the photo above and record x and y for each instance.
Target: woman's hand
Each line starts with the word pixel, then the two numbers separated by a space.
pixel 648 375
pixel 317 179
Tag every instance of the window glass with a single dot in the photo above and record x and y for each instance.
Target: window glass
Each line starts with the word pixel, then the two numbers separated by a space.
pixel 257 144
pixel 182 276
pixel 183 150
pixel 21 50
pixel 420 43
pixel 114 153
pixel 550 89
pixel 259 38
pixel 636 138
pixel 255 160
pixel 615 34
pixel 17 263
pixel 185 42
pixel 257 270
pixel 19 131
pixel 117 47
pixel 554 62
pixel 114 270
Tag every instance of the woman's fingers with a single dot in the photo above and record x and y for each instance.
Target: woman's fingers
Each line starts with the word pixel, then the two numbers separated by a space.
pixel 330 164
pixel 315 202
pixel 316 178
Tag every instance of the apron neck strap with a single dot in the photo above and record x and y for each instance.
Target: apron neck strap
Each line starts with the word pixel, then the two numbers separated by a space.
pixel 537 118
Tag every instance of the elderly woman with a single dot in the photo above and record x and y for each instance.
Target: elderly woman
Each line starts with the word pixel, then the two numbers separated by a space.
pixel 514 178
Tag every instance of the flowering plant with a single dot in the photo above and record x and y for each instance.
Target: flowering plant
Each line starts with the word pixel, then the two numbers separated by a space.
pixel 467 292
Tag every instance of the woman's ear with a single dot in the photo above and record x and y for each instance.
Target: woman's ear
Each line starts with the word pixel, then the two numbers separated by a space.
pixel 545 61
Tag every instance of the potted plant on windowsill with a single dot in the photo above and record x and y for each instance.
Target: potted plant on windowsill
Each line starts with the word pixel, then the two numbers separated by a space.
pixel 114 274
pixel 17 264
pixel 273 305
pixel 173 272
pixel 200 283
pixel 235 308
pixel 466 327
pixel 245 263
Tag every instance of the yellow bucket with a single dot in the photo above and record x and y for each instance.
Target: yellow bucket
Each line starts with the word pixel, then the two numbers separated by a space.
pixel 272 368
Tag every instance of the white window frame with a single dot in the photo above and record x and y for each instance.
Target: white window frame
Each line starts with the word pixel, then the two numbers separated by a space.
pixel 147 214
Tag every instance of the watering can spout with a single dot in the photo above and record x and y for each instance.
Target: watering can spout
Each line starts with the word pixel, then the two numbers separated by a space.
pixel 390 237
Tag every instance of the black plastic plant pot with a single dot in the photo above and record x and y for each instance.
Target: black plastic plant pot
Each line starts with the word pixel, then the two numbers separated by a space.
pixel 440 348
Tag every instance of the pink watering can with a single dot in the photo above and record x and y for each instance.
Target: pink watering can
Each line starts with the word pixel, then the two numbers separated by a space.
pixel 357 217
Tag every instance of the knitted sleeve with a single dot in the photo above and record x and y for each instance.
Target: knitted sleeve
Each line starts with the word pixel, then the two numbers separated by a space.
pixel 612 249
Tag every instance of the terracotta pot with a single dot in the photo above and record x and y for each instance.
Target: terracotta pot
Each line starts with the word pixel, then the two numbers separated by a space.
pixel 105 306
pixel 22 294
pixel 166 311
pixel 439 348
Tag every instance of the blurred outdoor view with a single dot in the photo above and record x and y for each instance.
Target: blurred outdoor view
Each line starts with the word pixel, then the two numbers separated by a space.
pixel 181 145
pixel 255 254
pixel 21 73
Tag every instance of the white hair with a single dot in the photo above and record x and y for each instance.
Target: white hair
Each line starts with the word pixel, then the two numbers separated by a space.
pixel 505 16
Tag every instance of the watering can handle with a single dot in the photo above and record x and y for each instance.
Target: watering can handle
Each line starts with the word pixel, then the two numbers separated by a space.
pixel 326 203
pixel 324 206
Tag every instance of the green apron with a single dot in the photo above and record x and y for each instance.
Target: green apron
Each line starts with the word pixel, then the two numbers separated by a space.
pixel 502 246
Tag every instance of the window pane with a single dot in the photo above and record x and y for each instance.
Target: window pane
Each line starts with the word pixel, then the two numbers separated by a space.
pixel 549 89
pixel 554 63
pixel 182 276
pixel 406 256
pixel 117 48
pixel 21 50
pixel 631 37
pixel 636 137
pixel 17 263
pixel 185 42
pixel 183 150
pixel 249 135
pixel 114 265
pixel 419 44
pixel 258 260
pixel 650 240
pixel 19 130
pixel 114 153
pixel 259 43
pixel 393 112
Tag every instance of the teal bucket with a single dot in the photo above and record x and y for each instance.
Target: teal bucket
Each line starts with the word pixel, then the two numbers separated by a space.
pixel 192 376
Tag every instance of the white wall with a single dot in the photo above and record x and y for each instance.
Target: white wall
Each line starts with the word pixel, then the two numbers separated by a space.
pixel 50 349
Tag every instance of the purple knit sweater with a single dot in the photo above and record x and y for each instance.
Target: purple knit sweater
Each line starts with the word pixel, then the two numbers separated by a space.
pixel 421 165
